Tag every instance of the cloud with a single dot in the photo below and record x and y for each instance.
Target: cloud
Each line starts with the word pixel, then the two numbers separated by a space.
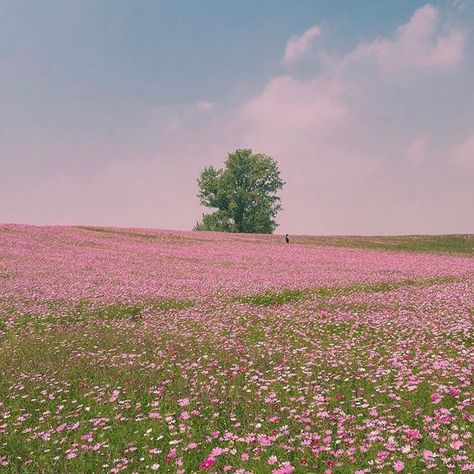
pixel 299 46
pixel 416 44
pixel 292 108
pixel 416 151
pixel 204 106
pixel 358 154
pixel 463 154
pixel 459 4
pixel 341 135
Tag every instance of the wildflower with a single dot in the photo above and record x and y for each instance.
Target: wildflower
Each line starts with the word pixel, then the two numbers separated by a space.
pixel 457 445
pixel 272 460
pixel 216 452
pixel 206 464
pixel 286 468
pixel 398 466
pixel 413 433
pixel 171 454
pixel 436 398
pixel 264 440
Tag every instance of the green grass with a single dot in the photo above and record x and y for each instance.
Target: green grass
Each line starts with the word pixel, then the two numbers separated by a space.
pixel 173 237
pixel 448 244
pixel 451 244
pixel 133 311
pixel 288 296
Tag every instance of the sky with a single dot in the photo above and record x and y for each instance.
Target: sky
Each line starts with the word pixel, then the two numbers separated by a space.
pixel 110 109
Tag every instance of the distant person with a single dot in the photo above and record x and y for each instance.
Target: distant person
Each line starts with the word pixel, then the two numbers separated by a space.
pixel 287 238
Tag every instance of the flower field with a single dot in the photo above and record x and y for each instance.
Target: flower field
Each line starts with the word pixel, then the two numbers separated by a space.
pixel 132 350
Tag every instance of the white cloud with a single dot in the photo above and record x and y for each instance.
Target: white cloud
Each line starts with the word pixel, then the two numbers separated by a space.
pixel 343 155
pixel 417 150
pixel 350 164
pixel 416 44
pixel 204 106
pixel 299 46
pixel 288 107
pixel 459 4
pixel 463 154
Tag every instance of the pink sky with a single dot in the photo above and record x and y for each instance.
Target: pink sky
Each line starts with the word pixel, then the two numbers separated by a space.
pixel 372 140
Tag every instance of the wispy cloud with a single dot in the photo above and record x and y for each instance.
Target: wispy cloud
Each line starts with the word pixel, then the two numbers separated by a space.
pixel 299 46
pixel 463 154
pixel 417 151
pixel 416 44
pixel 350 170
pixel 204 106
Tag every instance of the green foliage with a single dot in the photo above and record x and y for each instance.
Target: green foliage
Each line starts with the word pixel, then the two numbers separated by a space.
pixel 243 194
pixel 287 296
pixel 456 243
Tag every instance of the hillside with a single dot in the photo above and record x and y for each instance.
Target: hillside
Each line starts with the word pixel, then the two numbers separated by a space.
pixel 140 350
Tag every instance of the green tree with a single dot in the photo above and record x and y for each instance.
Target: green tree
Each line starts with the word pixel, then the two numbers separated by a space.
pixel 244 193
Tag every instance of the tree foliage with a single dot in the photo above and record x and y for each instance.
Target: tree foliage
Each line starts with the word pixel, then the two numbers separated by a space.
pixel 244 194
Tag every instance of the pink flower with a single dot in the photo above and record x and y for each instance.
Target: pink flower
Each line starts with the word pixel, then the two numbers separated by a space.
pixel 286 469
pixel 114 396
pixel 427 454
pixel 264 440
pixel 183 402
pixel 216 452
pixel 206 464
pixel 457 445
pixel 398 466
pixel 272 460
pixel 154 415
pixel 170 455
pixel 413 433
pixel 436 397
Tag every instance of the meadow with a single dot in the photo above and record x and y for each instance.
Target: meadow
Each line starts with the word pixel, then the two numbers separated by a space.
pixel 134 350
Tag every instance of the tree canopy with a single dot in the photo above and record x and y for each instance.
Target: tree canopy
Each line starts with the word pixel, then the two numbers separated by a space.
pixel 244 194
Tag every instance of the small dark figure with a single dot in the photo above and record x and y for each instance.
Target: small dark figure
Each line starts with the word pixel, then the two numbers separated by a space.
pixel 287 238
